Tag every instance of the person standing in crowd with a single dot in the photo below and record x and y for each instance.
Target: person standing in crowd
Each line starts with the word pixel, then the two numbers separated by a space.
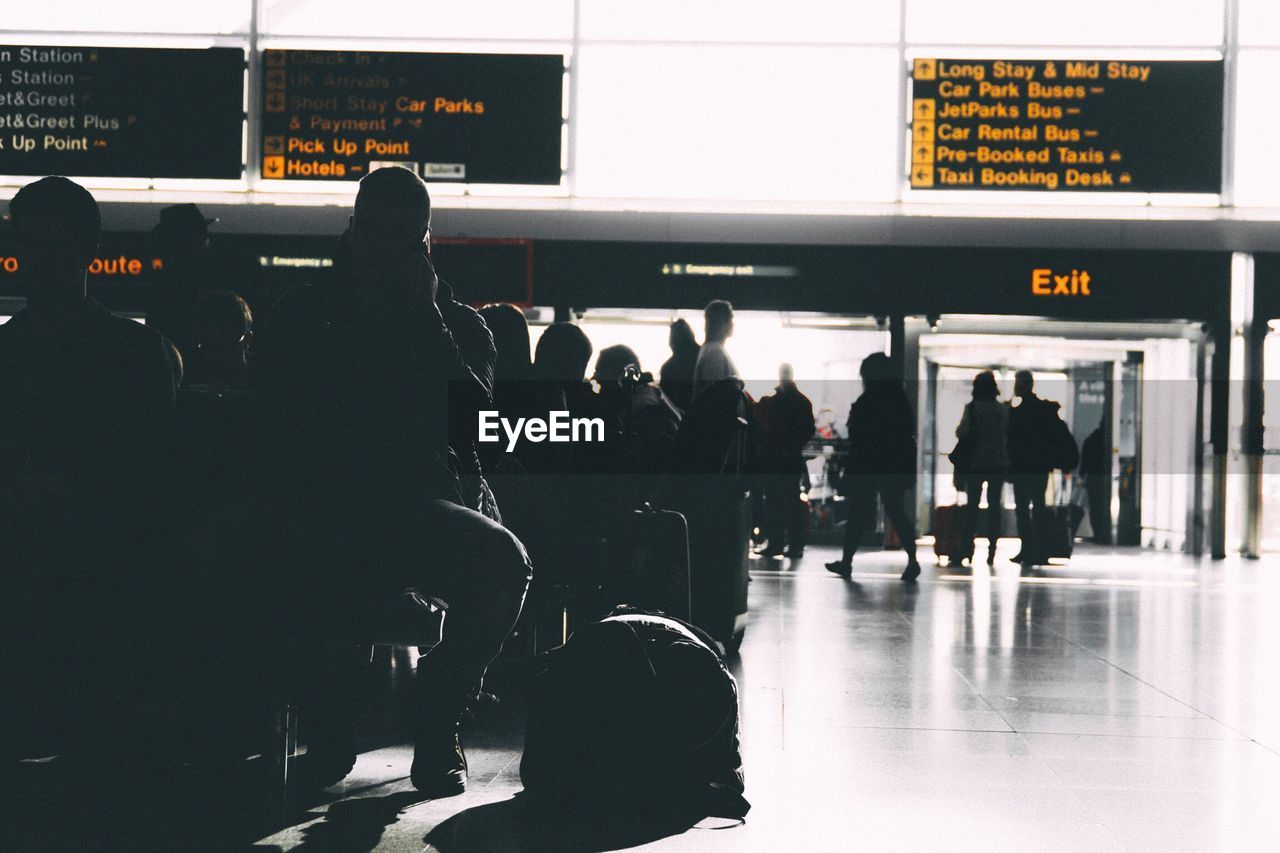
pixel 1095 470
pixel 676 375
pixel 983 430
pixel 785 420
pixel 363 371
pixel 714 363
pixel 882 461
pixel 1032 425
pixel 86 409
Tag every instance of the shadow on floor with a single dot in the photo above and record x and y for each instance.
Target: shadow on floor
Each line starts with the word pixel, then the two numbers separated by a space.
pixel 524 825
pixel 356 826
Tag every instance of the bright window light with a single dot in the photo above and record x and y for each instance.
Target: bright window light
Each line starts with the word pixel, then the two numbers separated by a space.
pixel 137 16
pixel 422 19
pixel 1259 22
pixel 779 123
pixel 1175 23
pixel 1257 181
pixel 812 21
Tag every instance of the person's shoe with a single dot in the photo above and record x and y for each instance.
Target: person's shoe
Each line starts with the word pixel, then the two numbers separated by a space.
pixel 841 568
pixel 1016 558
pixel 794 553
pixel 912 572
pixel 770 552
pixel 439 766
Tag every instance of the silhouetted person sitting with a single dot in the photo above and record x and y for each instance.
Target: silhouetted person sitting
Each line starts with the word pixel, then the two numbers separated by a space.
pixel 191 267
pixel 646 413
pixel 365 369
pixel 510 332
pixel 882 461
pixel 571 503
pixel 676 375
pixel 224 334
pixel 714 363
pixel 984 427
pixel 560 367
pixel 1032 426
pixel 220 440
pixel 647 422
pixel 785 421
pixel 514 393
pixel 560 363
pixel 86 406
pixel 181 240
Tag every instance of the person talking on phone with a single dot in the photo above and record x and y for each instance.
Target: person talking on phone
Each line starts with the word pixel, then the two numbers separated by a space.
pixel 367 371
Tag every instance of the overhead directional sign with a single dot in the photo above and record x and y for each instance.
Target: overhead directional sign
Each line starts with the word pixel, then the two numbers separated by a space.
pixel 334 115
pixel 1055 125
pixel 121 112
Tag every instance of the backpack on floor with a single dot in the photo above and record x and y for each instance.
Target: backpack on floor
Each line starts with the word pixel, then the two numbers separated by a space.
pixel 634 711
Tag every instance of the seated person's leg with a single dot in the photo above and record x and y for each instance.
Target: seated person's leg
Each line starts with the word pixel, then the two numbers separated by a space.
pixel 482 572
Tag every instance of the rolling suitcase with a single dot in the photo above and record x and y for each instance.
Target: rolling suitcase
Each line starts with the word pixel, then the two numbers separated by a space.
pixel 1055 539
pixel 951 541
pixel 653 569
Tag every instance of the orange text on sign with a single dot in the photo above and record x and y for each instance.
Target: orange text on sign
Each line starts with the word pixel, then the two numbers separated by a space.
pixel 1045 282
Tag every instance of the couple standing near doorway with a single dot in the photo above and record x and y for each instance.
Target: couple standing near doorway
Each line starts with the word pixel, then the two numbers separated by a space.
pixel 1000 442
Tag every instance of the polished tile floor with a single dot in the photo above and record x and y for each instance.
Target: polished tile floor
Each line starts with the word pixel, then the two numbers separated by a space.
pixel 1124 701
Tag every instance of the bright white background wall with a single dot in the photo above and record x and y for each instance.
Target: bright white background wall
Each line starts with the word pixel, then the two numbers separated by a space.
pixel 722 101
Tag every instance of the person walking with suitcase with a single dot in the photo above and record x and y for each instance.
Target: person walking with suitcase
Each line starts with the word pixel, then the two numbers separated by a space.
pixel 1034 431
pixel 882 461
pixel 983 432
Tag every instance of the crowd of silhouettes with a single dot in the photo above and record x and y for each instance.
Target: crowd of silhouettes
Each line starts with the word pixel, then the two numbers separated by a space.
pixel 237 486
pixel 233 486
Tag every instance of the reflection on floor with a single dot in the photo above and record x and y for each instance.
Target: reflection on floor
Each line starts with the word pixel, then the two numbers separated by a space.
pixel 1122 702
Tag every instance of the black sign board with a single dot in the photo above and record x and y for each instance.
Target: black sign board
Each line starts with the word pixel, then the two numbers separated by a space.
pixel 480 270
pixel 1067 125
pixel 1084 284
pixel 121 112
pixel 467 118
pixel 588 274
